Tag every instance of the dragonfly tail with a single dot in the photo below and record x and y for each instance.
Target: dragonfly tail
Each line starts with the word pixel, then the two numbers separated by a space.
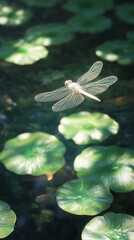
pixel 89 95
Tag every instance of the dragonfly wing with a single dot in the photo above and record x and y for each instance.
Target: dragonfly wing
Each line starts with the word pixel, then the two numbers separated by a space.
pixel 91 74
pixel 100 86
pixel 53 95
pixel 70 101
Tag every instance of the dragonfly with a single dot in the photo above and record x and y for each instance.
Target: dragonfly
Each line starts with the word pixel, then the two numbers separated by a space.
pixel 74 93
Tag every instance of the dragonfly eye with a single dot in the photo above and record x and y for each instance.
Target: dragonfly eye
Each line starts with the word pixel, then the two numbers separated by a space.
pixel 68 82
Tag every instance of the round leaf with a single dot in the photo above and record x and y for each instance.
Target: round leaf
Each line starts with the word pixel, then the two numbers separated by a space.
pixel 7 220
pixel 33 153
pixel 125 12
pixel 93 7
pixel 85 127
pixel 110 226
pixel 46 34
pixel 118 50
pixel 84 23
pixel 22 53
pixel 111 164
pixel 83 197
pixel 12 16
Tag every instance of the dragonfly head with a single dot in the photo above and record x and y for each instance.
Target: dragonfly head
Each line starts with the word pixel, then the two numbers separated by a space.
pixel 67 82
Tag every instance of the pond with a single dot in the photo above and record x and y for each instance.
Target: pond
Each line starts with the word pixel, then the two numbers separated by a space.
pixel 66 172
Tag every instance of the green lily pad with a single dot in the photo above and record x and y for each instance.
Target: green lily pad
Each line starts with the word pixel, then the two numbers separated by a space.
pixel 118 50
pixel 41 3
pixel 7 220
pixel 13 16
pixel 110 226
pixel 85 127
pixel 46 34
pixel 125 12
pixel 22 53
pixel 112 165
pixel 93 7
pixel 83 197
pixel 84 23
pixel 33 153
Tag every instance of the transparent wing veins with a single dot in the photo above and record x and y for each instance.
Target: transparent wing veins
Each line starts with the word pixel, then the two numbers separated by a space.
pixel 91 74
pixel 70 101
pixel 97 87
pixel 69 97
pixel 53 95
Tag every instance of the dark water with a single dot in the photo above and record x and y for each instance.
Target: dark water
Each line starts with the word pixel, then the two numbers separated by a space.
pixel 33 198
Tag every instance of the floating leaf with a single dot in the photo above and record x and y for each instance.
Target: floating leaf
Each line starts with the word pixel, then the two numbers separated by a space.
pixel 110 226
pixel 85 127
pixel 22 53
pixel 46 34
pixel 7 220
pixel 41 3
pixel 12 16
pixel 83 197
pixel 118 50
pixel 125 12
pixel 33 153
pixel 93 7
pixel 84 23
pixel 111 164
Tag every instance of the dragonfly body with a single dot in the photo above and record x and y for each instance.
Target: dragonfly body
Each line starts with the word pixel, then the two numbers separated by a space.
pixel 71 95
pixel 76 88
pixel 73 86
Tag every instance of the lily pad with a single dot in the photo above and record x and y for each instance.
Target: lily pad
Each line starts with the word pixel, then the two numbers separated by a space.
pixel 7 220
pixel 113 165
pixel 84 23
pixel 125 12
pixel 93 7
pixel 111 226
pixel 41 3
pixel 13 16
pixel 83 197
pixel 118 50
pixel 85 127
pixel 22 53
pixel 33 153
pixel 46 34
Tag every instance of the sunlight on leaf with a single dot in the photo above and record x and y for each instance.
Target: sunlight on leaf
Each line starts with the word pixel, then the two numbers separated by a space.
pixel 12 16
pixel 85 127
pixel 117 50
pixel 7 220
pixel 83 197
pixel 22 53
pixel 110 226
pixel 33 153
pixel 113 165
